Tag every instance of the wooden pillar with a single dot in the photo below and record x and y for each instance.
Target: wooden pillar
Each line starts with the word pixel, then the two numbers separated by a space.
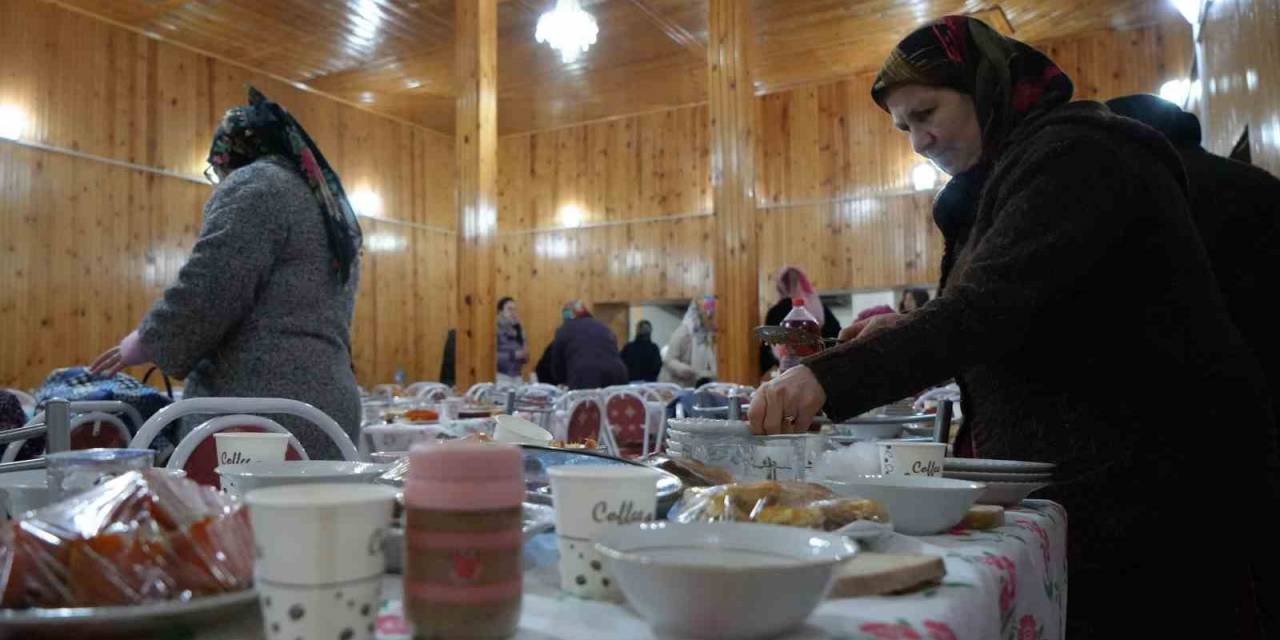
pixel 476 148
pixel 731 102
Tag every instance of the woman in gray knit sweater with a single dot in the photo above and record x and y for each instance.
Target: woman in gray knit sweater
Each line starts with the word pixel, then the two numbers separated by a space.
pixel 263 306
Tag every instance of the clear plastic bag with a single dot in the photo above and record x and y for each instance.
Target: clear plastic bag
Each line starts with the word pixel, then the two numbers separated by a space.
pixel 798 504
pixel 141 537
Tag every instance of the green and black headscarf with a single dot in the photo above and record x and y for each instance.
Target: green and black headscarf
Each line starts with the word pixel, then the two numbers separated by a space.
pixel 1010 82
pixel 263 128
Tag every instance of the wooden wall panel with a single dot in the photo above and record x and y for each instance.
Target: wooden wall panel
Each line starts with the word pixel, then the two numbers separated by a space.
pixel 88 245
pixel 832 189
pixel 1239 64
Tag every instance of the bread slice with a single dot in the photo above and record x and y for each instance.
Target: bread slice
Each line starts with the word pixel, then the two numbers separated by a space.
pixel 872 574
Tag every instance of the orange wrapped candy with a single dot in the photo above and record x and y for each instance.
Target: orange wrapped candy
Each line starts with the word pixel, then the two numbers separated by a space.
pixel 142 537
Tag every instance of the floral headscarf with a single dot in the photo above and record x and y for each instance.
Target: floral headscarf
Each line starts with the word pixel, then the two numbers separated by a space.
pixel 1007 79
pixel 1010 83
pixel 792 283
pixel 263 128
pixel 574 309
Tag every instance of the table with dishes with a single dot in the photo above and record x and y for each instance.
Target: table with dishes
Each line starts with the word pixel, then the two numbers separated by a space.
pixel 861 530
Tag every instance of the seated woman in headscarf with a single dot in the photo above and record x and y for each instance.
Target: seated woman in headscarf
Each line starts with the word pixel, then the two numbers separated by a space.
pixel 263 306
pixel 792 283
pixel 691 352
pixel 584 353
pixel 1057 209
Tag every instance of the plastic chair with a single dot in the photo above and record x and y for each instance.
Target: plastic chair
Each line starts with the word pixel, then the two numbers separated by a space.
pixel 197 453
pixel 86 433
pixel 584 418
pixel 627 418
pixel 477 392
pixel 224 406
pixel 667 390
pixel 429 391
pixel 92 413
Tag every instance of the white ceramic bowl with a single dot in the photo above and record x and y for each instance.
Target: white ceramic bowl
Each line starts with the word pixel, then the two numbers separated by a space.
pixel 918 505
pixel 513 430
pixel 725 580
pixel 243 478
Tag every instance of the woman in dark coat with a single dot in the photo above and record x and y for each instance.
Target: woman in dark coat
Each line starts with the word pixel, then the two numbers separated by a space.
pixel 584 353
pixel 1056 214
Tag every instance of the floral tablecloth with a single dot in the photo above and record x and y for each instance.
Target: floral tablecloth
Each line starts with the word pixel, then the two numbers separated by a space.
pixel 1009 583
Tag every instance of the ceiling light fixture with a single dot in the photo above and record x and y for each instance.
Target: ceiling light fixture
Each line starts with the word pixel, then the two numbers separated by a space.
pixel 568 29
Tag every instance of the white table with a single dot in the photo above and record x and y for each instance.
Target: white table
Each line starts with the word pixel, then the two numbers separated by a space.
pixel 1005 583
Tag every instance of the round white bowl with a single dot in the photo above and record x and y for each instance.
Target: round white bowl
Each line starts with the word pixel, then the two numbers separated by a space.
pixel 918 505
pixel 243 478
pixel 727 580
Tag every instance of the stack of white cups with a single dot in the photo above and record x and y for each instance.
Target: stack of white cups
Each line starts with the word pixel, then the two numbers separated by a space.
pixel 319 558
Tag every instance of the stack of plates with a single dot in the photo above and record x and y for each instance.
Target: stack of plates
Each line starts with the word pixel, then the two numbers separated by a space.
pixel 1008 481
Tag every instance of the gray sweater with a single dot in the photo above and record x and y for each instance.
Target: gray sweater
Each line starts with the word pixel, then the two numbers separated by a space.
pixel 258 309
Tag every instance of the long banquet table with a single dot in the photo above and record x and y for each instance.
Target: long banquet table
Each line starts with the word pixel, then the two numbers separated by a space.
pixel 1007 583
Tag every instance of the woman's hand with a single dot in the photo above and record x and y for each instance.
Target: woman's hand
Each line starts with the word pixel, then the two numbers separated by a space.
pixel 787 404
pixel 870 326
pixel 126 354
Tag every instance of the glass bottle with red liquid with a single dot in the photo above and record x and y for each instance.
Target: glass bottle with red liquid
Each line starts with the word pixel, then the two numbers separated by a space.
pixel 799 318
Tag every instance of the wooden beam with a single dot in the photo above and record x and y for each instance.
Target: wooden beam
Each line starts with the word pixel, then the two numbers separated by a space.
pixel 676 32
pixel 731 104
pixel 476 149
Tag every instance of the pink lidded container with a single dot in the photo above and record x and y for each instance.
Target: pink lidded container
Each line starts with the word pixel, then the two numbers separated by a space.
pixel 463 518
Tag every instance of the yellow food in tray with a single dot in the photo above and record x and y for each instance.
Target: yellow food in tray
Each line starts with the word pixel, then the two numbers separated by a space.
pixel 796 504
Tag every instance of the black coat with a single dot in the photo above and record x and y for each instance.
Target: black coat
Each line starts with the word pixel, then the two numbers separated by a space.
pixel 830 329
pixel 643 360
pixel 584 355
pixel 1084 324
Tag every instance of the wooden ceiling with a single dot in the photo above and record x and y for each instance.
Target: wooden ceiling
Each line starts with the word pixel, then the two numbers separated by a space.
pixel 396 56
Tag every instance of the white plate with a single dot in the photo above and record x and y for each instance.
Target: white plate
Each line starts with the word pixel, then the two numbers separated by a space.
pixel 1008 494
pixel 996 477
pixel 171 619
pixel 710 426
pixel 983 465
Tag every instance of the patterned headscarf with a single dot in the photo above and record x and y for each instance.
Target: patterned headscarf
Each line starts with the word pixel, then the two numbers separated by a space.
pixel 574 309
pixel 792 283
pixel 263 128
pixel 1010 82
pixel 1007 79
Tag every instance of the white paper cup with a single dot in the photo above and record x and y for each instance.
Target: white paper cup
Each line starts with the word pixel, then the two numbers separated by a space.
pixel 239 448
pixel 315 534
pixel 589 498
pixel 513 430
pixel 911 458
pixel 342 610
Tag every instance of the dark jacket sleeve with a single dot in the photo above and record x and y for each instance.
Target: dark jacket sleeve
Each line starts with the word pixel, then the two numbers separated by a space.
pixel 1045 232
pixel 543 369
pixel 218 285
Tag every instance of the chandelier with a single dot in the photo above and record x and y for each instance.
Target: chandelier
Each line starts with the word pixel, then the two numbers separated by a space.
pixel 568 29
